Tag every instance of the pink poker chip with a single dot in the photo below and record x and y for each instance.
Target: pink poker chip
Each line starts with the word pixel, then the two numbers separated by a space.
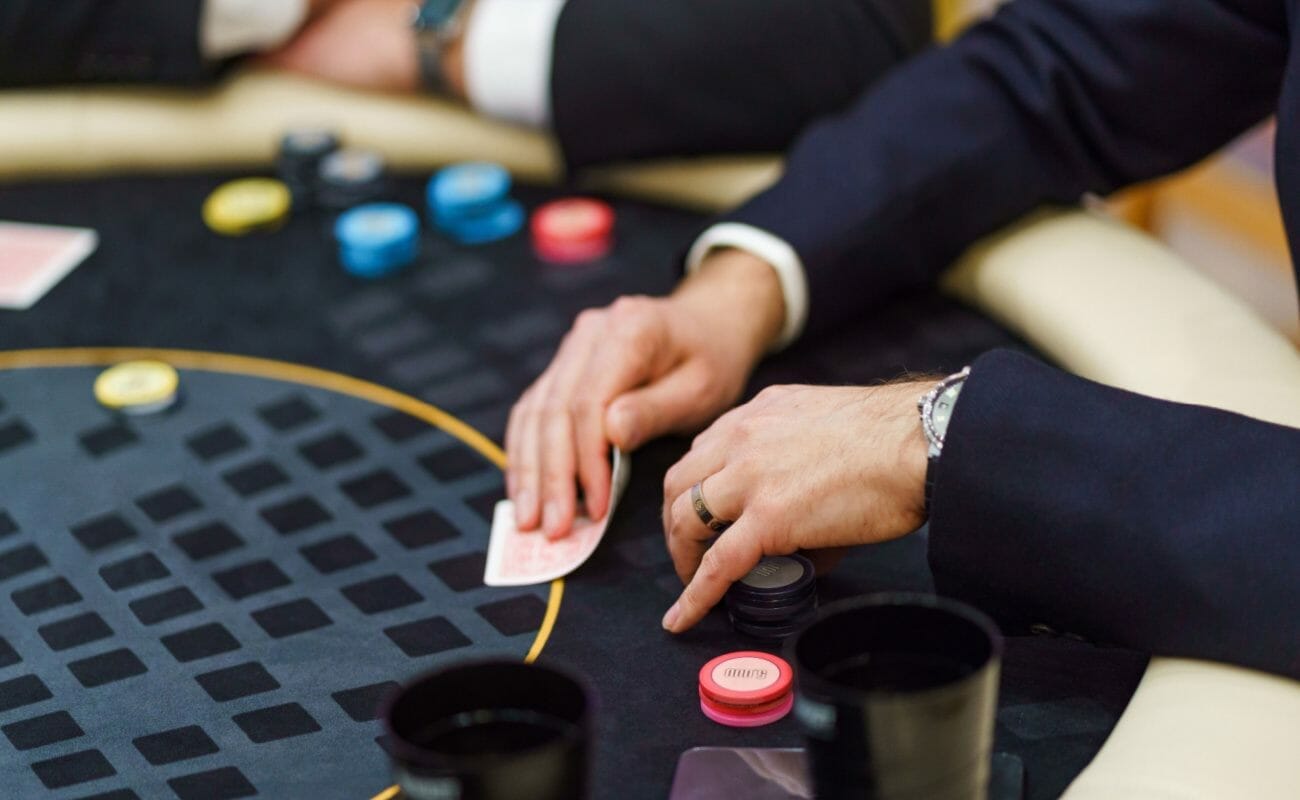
pixel 746 678
pixel 747 720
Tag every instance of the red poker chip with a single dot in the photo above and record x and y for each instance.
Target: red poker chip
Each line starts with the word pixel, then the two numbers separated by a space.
pixel 745 678
pixel 572 229
pixel 760 708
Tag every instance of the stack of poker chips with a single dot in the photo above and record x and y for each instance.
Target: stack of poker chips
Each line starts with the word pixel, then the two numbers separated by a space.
pixel 746 689
pixel 775 600
pixel 377 239
pixel 572 230
pixel 471 203
pixel 350 177
pixel 298 164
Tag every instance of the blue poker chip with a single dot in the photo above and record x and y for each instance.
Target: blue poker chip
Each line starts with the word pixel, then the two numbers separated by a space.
pixel 502 221
pixel 472 189
pixel 377 239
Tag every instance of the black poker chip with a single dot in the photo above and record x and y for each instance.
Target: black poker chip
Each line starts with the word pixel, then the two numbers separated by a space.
pixel 777 579
pixel 298 162
pixel 773 631
pixel 764 612
pixel 351 177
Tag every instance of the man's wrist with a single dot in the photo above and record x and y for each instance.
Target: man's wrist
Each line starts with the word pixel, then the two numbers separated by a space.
pixel 744 290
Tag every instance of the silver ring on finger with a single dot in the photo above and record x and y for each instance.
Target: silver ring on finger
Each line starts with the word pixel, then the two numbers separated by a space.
pixel 702 510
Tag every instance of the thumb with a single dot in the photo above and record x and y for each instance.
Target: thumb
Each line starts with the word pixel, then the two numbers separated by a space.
pixel 675 402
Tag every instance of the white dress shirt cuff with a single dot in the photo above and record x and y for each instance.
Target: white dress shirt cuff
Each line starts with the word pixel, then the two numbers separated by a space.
pixel 508 59
pixel 776 252
pixel 233 27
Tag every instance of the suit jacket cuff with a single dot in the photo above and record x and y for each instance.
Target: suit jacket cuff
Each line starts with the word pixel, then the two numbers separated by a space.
pixel 232 27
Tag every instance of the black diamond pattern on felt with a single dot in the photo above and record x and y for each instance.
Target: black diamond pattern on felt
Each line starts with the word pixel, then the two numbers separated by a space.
pixel 241 680
pixel 20 560
pixel 421 529
pixel 276 722
pixel 294 617
pixel 332 450
pixel 14 434
pixel 381 594
pixel 195 643
pixel 133 571
pixel 452 463
pixel 255 478
pixel 398 427
pixel 39 731
pixel 485 504
pixel 362 703
pixel 69 770
pixel 101 532
pixel 178 744
pixel 116 794
pixel 168 503
pixel 427 636
pixel 8 655
pixel 45 595
pixel 160 607
pixel 514 615
pixel 114 665
pixel 207 541
pixel 74 631
pixel 22 691
pixel 295 515
pixel 461 573
pixel 217 441
pixel 249 579
pixel 7 525
pixel 337 553
pixel 106 438
pixel 226 783
pixel 374 488
pixel 288 414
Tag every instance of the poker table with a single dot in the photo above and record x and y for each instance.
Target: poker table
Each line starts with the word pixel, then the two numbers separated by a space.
pixel 211 602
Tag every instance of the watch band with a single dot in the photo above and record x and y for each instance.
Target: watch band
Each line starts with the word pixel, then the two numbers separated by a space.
pixel 435 23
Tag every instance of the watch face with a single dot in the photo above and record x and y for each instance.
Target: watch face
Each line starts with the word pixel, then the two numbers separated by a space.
pixel 943 405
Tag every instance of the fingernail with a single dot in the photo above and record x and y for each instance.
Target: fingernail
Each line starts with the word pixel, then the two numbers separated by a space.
pixel 670 619
pixel 523 507
pixel 625 425
pixel 551 519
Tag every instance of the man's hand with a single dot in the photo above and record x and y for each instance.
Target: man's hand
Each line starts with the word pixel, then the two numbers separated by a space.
pixel 797 468
pixel 638 369
pixel 367 44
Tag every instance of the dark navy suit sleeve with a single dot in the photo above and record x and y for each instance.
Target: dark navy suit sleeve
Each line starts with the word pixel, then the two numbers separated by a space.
pixel 637 79
pixel 67 41
pixel 1169 528
pixel 1047 101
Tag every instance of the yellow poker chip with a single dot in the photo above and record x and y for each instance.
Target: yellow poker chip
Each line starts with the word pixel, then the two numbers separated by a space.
pixel 247 205
pixel 138 387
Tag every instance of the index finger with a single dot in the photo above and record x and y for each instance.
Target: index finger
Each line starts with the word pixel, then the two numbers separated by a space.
pixel 732 556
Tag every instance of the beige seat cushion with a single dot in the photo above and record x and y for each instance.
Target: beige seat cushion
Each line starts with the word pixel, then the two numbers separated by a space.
pixel 1111 304
pixel 1102 300
pixel 79 131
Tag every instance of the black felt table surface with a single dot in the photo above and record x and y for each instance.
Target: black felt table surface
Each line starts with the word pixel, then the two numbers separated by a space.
pixel 466 330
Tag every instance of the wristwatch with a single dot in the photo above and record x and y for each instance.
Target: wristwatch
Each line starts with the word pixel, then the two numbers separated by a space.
pixel 936 408
pixel 436 24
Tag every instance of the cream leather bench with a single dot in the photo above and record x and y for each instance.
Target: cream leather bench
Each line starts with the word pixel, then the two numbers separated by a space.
pixel 1193 729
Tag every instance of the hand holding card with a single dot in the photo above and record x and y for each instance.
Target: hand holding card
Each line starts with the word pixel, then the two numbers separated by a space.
pixel 522 559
